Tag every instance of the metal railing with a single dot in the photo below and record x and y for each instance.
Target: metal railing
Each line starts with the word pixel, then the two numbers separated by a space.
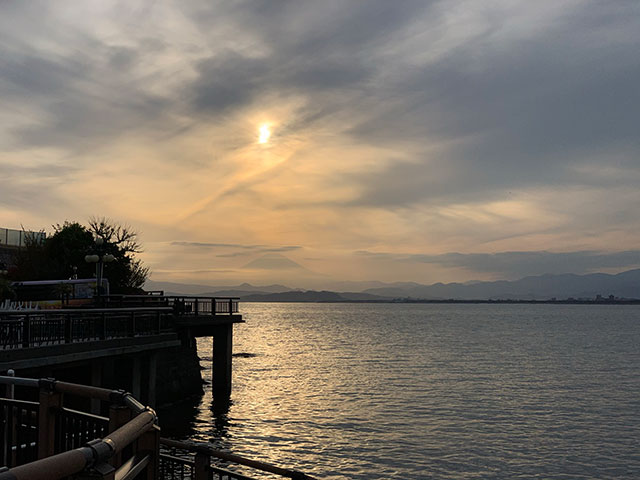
pixel 181 304
pixel 198 306
pixel 193 461
pixel 25 329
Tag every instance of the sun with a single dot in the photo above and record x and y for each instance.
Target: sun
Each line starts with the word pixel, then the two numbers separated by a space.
pixel 264 134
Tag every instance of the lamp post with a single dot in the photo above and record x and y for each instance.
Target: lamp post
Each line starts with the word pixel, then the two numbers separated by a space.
pixel 99 258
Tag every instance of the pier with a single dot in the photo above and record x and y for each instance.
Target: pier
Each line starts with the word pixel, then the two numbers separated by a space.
pixel 124 337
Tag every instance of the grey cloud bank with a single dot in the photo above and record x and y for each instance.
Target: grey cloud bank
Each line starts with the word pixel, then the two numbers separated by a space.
pixel 514 265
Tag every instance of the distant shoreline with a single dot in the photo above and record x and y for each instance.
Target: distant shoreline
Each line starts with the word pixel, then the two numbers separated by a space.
pixel 402 301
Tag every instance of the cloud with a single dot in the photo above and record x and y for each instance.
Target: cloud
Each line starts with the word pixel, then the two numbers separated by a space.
pixel 251 248
pixel 273 261
pixel 509 111
pixel 520 264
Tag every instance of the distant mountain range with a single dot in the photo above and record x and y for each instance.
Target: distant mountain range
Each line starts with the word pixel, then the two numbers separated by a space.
pixel 542 287
pixel 204 290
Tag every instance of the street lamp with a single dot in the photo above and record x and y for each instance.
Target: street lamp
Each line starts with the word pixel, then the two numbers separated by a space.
pixel 99 258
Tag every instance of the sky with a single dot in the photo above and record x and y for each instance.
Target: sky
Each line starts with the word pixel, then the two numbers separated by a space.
pixel 307 142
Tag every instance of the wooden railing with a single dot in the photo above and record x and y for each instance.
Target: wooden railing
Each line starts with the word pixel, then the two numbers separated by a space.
pixel 35 328
pixel 45 440
pixel 19 435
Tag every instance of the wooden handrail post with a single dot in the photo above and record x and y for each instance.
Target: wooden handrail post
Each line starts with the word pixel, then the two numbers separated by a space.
pixel 201 466
pixel 26 331
pixel 118 416
pixel 231 306
pixel 49 402
pixel 196 307
pixel 150 442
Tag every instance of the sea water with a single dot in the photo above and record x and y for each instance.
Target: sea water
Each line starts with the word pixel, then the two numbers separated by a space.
pixel 418 391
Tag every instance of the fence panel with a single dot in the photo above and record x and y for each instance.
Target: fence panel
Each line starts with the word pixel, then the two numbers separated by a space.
pixel 18 431
pixel 53 327
pixel 74 429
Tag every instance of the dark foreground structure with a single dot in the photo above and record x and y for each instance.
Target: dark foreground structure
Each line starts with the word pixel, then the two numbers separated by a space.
pixel 70 414
pixel 46 440
pixel 143 343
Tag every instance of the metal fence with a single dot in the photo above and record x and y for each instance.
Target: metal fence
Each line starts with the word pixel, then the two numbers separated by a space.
pixel 197 306
pixel 25 329
pixel 199 461
pixel 19 238
pixel 181 304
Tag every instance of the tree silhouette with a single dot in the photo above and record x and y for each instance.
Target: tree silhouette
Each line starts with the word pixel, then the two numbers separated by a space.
pixel 61 256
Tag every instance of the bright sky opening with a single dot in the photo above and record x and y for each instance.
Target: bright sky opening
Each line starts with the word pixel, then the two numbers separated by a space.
pixel 265 133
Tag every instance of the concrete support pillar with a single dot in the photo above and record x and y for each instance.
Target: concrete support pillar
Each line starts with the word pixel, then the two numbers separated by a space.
pixel 153 366
pixel 222 356
pixel 136 377
pixel 96 381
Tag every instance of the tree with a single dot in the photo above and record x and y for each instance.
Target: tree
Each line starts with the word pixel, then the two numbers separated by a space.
pixel 61 256
pixel 128 270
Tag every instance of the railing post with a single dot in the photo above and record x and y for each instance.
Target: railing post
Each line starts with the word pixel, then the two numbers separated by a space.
pixel 26 331
pixel 150 442
pixel 195 308
pixel 10 388
pixel 7 419
pixel 133 324
pixel 103 330
pixel 153 372
pixel 67 328
pixel 49 402
pixel 231 306
pixel 118 416
pixel 201 466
